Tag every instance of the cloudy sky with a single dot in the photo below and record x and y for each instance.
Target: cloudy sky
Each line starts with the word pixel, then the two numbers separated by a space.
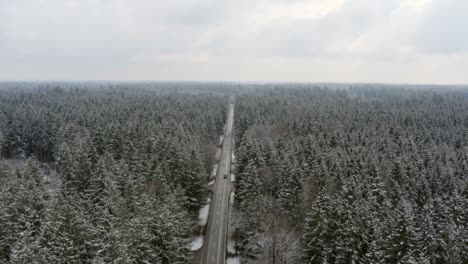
pixel 397 41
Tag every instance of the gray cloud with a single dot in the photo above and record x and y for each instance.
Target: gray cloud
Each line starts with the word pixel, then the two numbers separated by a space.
pixel 316 40
pixel 444 28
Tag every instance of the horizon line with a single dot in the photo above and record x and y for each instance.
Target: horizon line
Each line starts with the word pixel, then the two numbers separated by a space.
pixel 235 82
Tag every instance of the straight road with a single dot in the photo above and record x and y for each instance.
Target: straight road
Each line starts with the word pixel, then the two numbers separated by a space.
pixel 214 248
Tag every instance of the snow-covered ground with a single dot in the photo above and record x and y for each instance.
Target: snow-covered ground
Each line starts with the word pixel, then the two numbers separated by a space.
pixel 234 260
pixel 203 215
pixel 197 243
pixel 51 179
pixel 213 172
pixel 211 182
pixel 231 198
pixel 231 249
pixel 233 177
pixel 218 154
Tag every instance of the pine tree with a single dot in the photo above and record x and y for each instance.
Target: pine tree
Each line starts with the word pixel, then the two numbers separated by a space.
pixel 108 235
pixel 24 212
pixel 399 234
pixel 318 232
pixel 68 231
pixel 290 189
pixel 67 166
pixel 100 181
pixel 175 246
pixel 429 242
pixel 354 231
pixel 159 233
pixel 248 185
pixel 9 189
pixel 28 249
pixel 194 182
pixel 2 139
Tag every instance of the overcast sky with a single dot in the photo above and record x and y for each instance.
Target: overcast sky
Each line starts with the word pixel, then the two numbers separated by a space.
pixel 397 41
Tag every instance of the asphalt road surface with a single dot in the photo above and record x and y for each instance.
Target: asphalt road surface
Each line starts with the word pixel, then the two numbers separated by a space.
pixel 214 247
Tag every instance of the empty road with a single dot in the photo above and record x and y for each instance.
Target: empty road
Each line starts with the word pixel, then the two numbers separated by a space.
pixel 214 248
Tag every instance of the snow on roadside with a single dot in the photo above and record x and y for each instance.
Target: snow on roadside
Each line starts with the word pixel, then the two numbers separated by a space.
pixel 231 249
pixel 233 177
pixel 214 171
pixel 197 243
pixel 231 198
pixel 234 260
pixel 211 182
pixel 203 215
pixel 218 154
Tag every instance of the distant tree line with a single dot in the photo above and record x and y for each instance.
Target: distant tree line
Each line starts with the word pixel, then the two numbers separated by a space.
pixel 132 166
pixel 360 175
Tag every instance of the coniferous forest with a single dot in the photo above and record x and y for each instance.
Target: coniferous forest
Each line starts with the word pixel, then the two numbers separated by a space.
pixel 116 173
pixel 131 166
pixel 360 175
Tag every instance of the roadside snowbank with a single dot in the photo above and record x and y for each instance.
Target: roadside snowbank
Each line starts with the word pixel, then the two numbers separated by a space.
pixel 203 215
pixel 214 171
pixel 234 260
pixel 231 249
pixel 197 243
pixel 231 198
pixel 218 154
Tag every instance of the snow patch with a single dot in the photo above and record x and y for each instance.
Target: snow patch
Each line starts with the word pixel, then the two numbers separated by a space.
pixel 231 247
pixel 203 215
pixel 214 171
pixel 218 154
pixel 197 243
pixel 231 198
pixel 211 182
pixel 233 177
pixel 234 260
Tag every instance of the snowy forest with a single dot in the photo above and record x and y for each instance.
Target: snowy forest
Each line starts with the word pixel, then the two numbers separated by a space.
pixel 111 175
pixel 360 175
pixel 346 174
